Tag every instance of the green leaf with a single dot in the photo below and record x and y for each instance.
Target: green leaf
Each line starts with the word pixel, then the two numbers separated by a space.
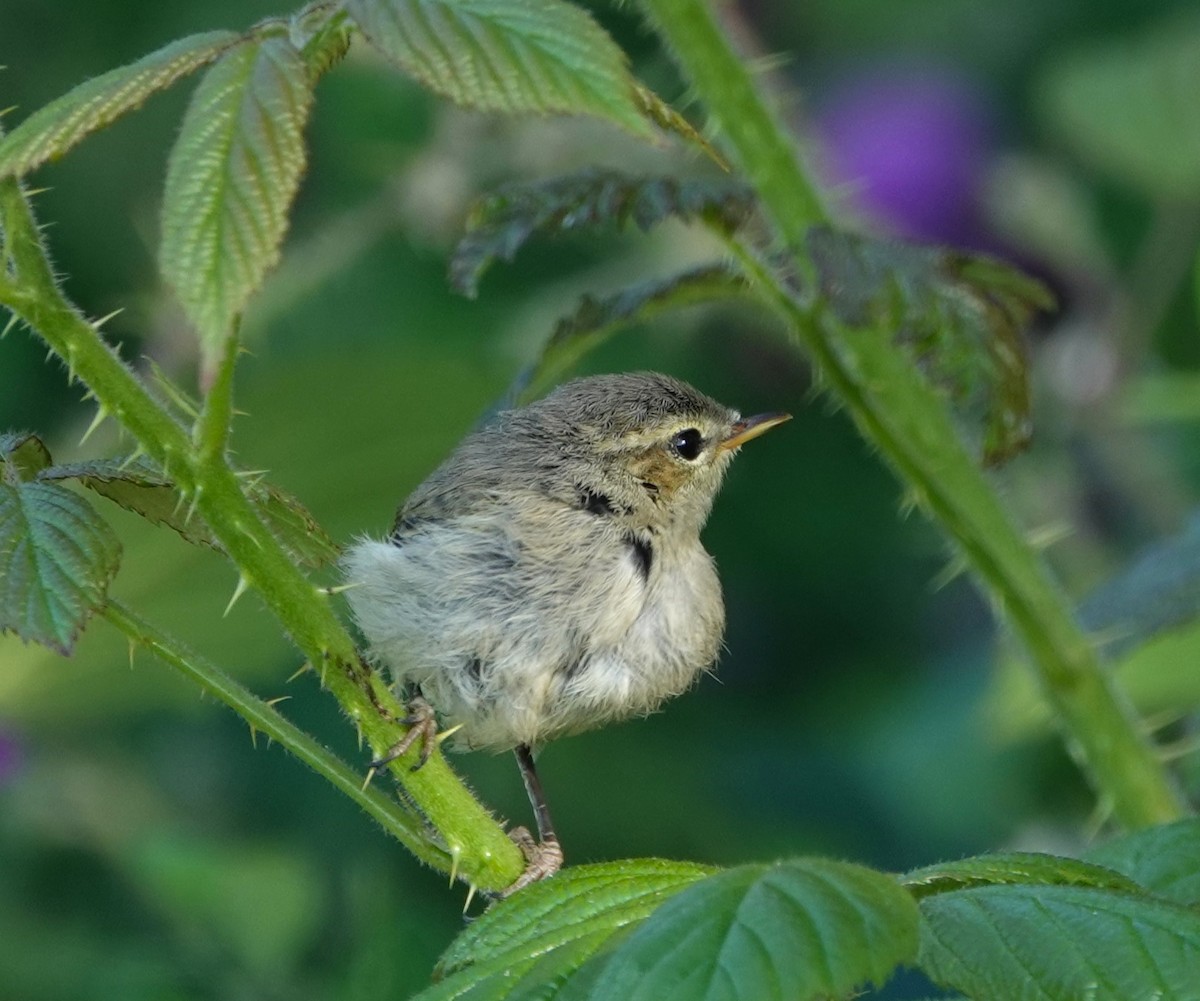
pixel 57 557
pixel 294 526
pixel 797 930
pixel 53 129
pixel 140 486
pixel 231 178
pixel 551 927
pixel 24 454
pixel 1158 591
pixel 962 316
pixel 1129 106
pixel 596 318
pixel 1049 943
pixel 1164 859
pixel 1012 867
pixel 541 56
pixel 503 221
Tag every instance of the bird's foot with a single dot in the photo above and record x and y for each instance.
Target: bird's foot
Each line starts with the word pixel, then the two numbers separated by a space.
pixel 422 726
pixel 542 859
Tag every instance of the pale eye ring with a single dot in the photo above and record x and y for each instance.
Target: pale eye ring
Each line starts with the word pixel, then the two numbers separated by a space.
pixel 688 444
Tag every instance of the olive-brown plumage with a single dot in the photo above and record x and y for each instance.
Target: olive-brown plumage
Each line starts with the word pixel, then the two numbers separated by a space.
pixel 549 577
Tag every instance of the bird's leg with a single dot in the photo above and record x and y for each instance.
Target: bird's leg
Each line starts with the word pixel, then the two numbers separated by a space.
pixel 422 726
pixel 543 857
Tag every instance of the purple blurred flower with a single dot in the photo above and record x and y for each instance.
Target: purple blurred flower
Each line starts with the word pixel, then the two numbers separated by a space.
pixel 908 145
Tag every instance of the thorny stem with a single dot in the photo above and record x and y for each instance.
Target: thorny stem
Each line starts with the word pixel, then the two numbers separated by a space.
pixel 264 718
pixel 484 854
pixel 907 421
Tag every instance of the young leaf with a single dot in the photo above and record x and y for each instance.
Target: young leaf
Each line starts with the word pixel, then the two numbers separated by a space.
pixel 57 557
pixel 1046 943
pixel 231 178
pixel 1165 859
pixel 555 925
pixel 502 222
pixel 1012 867
pixel 596 318
pixel 797 930
pixel 24 454
pixel 961 315
pixel 53 129
pixel 542 56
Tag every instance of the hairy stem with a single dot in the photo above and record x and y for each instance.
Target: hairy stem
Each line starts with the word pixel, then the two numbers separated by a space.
pixel 896 410
pixel 264 718
pixel 483 853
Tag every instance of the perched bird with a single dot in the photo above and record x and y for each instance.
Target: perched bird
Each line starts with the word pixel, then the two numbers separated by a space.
pixel 548 577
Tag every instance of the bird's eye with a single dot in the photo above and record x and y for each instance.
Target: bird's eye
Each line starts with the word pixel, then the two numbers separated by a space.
pixel 688 443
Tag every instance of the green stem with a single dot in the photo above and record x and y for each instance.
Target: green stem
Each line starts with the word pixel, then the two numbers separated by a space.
pixel 264 718
pixel 485 855
pixel 215 422
pixel 896 410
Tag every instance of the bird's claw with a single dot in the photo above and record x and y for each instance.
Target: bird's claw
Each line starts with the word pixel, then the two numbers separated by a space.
pixel 542 859
pixel 422 724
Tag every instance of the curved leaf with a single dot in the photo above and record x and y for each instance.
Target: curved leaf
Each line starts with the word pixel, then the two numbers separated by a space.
pixel 57 557
pixel 503 221
pixel 961 315
pixel 544 56
pixel 596 318
pixel 548 929
pixel 139 486
pixel 1157 592
pixel 1164 859
pixel 230 182
pixel 1047 943
pixel 53 129
pixel 1012 867
pixel 24 453
pixel 797 930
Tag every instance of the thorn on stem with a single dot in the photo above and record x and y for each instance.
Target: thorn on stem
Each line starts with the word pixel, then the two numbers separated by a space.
pixel 238 591
pixel 101 414
pixel 367 780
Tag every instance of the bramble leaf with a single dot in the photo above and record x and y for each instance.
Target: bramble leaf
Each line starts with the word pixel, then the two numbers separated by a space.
pixel 1164 859
pixel 793 931
pixel 1030 868
pixel 24 453
pixel 57 557
pixel 541 56
pixel 53 129
pixel 547 930
pixel 503 221
pixel 231 179
pixel 961 315
pixel 1157 592
pixel 140 486
pixel 596 318
pixel 293 525
pixel 1045 943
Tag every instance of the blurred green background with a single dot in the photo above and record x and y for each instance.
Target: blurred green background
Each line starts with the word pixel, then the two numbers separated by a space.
pixel 865 707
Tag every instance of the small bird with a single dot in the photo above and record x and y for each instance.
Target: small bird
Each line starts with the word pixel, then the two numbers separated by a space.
pixel 549 578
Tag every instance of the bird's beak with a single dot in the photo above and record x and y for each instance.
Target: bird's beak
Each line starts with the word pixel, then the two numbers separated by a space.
pixel 751 427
